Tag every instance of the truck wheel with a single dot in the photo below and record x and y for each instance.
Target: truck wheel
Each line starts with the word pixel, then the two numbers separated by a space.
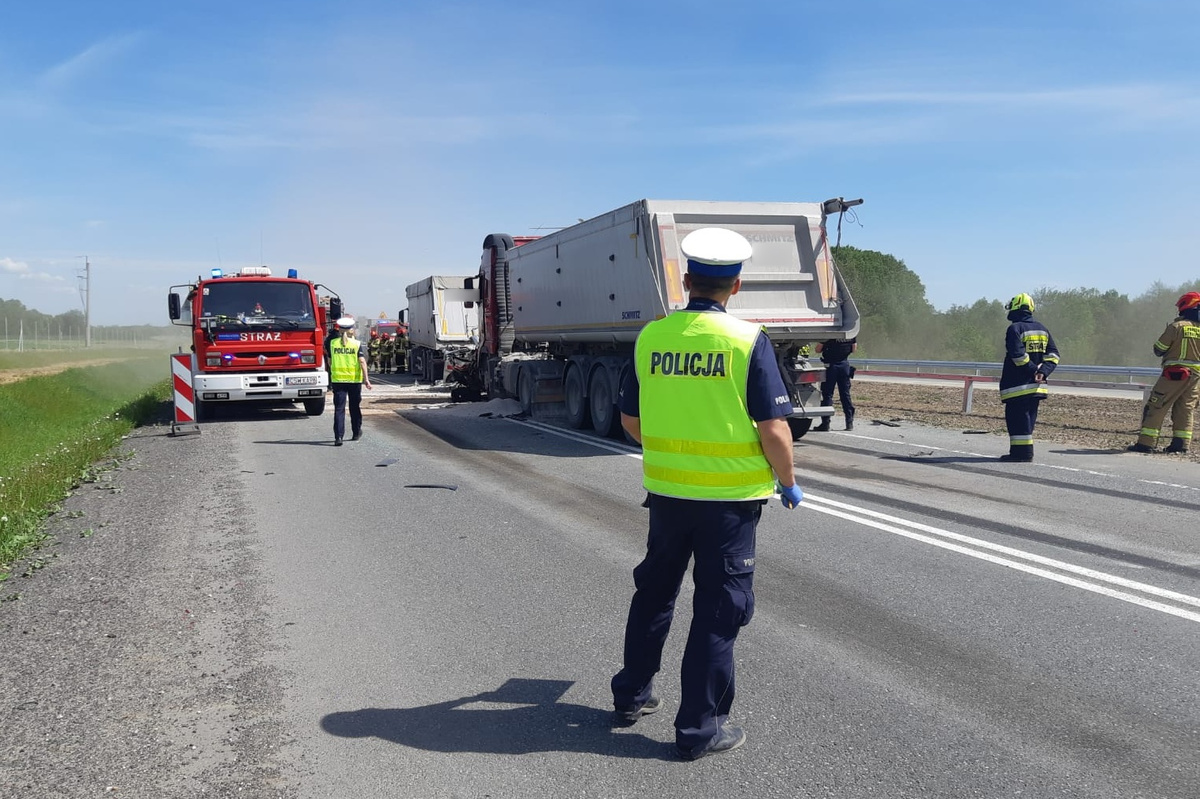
pixel 526 387
pixel 799 427
pixel 578 415
pixel 314 407
pixel 605 419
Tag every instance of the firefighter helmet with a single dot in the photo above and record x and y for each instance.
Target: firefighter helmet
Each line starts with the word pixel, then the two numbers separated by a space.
pixel 1021 302
pixel 1189 300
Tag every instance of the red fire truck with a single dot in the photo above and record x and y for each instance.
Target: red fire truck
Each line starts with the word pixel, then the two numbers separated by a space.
pixel 256 337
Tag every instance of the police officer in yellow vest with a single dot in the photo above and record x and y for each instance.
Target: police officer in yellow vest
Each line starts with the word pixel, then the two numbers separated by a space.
pixel 346 359
pixel 709 406
pixel 1178 387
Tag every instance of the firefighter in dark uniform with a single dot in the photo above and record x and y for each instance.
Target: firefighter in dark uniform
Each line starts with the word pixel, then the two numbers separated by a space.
pixel 373 351
pixel 709 406
pixel 1178 387
pixel 838 373
pixel 346 360
pixel 387 348
pixel 401 349
pixel 1030 356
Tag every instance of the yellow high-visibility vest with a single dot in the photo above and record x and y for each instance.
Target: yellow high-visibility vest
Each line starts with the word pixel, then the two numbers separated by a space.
pixel 698 440
pixel 343 361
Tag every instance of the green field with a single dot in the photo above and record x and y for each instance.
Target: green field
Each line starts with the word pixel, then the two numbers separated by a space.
pixel 55 429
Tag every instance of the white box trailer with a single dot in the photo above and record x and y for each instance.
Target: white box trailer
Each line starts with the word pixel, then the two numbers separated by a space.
pixel 441 317
pixel 559 314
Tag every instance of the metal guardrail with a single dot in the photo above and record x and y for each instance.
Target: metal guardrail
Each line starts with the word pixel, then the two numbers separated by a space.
pixel 979 368
pixel 976 374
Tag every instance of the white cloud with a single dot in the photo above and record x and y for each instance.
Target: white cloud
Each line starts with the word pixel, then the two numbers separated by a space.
pixel 13 267
pixel 23 272
pixel 85 63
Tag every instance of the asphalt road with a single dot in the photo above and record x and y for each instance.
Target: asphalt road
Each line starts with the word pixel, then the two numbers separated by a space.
pixel 436 610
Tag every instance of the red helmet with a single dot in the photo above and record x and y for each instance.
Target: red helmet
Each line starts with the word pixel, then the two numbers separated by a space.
pixel 1189 300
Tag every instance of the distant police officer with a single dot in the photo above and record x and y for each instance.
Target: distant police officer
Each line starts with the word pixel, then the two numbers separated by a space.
pixel 346 358
pixel 838 372
pixel 1030 355
pixel 708 404
pixel 1178 387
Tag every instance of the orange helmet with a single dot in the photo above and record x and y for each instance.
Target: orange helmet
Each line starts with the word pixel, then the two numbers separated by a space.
pixel 1189 300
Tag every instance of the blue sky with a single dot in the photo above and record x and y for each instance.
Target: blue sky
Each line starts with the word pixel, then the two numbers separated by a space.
pixel 999 147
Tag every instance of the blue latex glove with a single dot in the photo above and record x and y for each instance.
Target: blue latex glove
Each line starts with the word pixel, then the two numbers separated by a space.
pixel 791 497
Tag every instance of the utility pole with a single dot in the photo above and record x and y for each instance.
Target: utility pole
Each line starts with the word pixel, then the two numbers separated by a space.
pixel 87 302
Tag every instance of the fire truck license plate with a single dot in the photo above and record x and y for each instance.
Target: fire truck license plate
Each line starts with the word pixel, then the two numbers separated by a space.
pixel 300 381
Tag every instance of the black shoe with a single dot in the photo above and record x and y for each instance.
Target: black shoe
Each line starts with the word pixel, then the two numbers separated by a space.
pixel 356 436
pixel 1011 458
pixel 849 425
pixel 337 442
pixel 1176 450
pixel 822 427
pixel 728 738
pixel 1140 448
pixel 627 716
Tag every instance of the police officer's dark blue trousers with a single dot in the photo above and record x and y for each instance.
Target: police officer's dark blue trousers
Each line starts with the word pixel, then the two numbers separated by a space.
pixel 838 375
pixel 721 536
pixel 1020 416
pixel 343 394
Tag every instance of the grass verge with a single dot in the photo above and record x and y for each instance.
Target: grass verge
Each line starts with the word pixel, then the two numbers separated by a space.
pixel 56 428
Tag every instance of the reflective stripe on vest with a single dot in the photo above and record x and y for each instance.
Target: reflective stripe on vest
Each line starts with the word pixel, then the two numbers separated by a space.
pixel 698 440
pixel 343 361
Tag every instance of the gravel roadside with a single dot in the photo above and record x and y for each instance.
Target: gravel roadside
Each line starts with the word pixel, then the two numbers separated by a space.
pixel 134 640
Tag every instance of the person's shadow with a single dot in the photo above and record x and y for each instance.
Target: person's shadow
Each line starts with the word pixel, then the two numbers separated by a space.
pixel 519 717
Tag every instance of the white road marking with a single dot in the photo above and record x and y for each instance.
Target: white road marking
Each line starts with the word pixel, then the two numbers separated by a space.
pixel 875 519
pixel 1010 551
pixel 1037 464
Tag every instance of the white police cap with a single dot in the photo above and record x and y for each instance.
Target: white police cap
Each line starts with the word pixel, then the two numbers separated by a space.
pixel 346 323
pixel 715 252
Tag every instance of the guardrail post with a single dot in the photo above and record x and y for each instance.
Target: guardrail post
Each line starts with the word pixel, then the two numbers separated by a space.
pixel 968 393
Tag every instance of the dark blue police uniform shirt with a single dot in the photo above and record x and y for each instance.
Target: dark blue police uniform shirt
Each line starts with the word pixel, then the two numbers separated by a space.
pixel 766 395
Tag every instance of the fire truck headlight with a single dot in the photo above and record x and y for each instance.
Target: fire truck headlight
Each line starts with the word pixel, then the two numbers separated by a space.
pixel 213 359
pixel 307 356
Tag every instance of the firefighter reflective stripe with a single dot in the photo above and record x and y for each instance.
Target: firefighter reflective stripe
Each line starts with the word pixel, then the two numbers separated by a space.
pixel 1021 440
pixel 683 446
pixel 1022 360
pixel 1024 390
pixel 1035 341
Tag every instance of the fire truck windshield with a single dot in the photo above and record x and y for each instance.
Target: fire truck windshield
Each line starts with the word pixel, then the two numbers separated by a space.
pixel 261 304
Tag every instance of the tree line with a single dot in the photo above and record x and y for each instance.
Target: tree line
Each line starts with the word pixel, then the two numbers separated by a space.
pixel 16 320
pixel 1090 326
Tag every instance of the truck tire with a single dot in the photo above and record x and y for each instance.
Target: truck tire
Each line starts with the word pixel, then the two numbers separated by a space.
pixel 575 398
pixel 314 407
pixel 799 427
pixel 201 410
pixel 602 403
pixel 526 388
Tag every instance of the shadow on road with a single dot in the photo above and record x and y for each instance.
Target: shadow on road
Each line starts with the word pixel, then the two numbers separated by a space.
pixel 520 717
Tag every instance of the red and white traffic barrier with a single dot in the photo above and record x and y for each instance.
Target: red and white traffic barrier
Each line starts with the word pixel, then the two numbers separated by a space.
pixel 185 397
